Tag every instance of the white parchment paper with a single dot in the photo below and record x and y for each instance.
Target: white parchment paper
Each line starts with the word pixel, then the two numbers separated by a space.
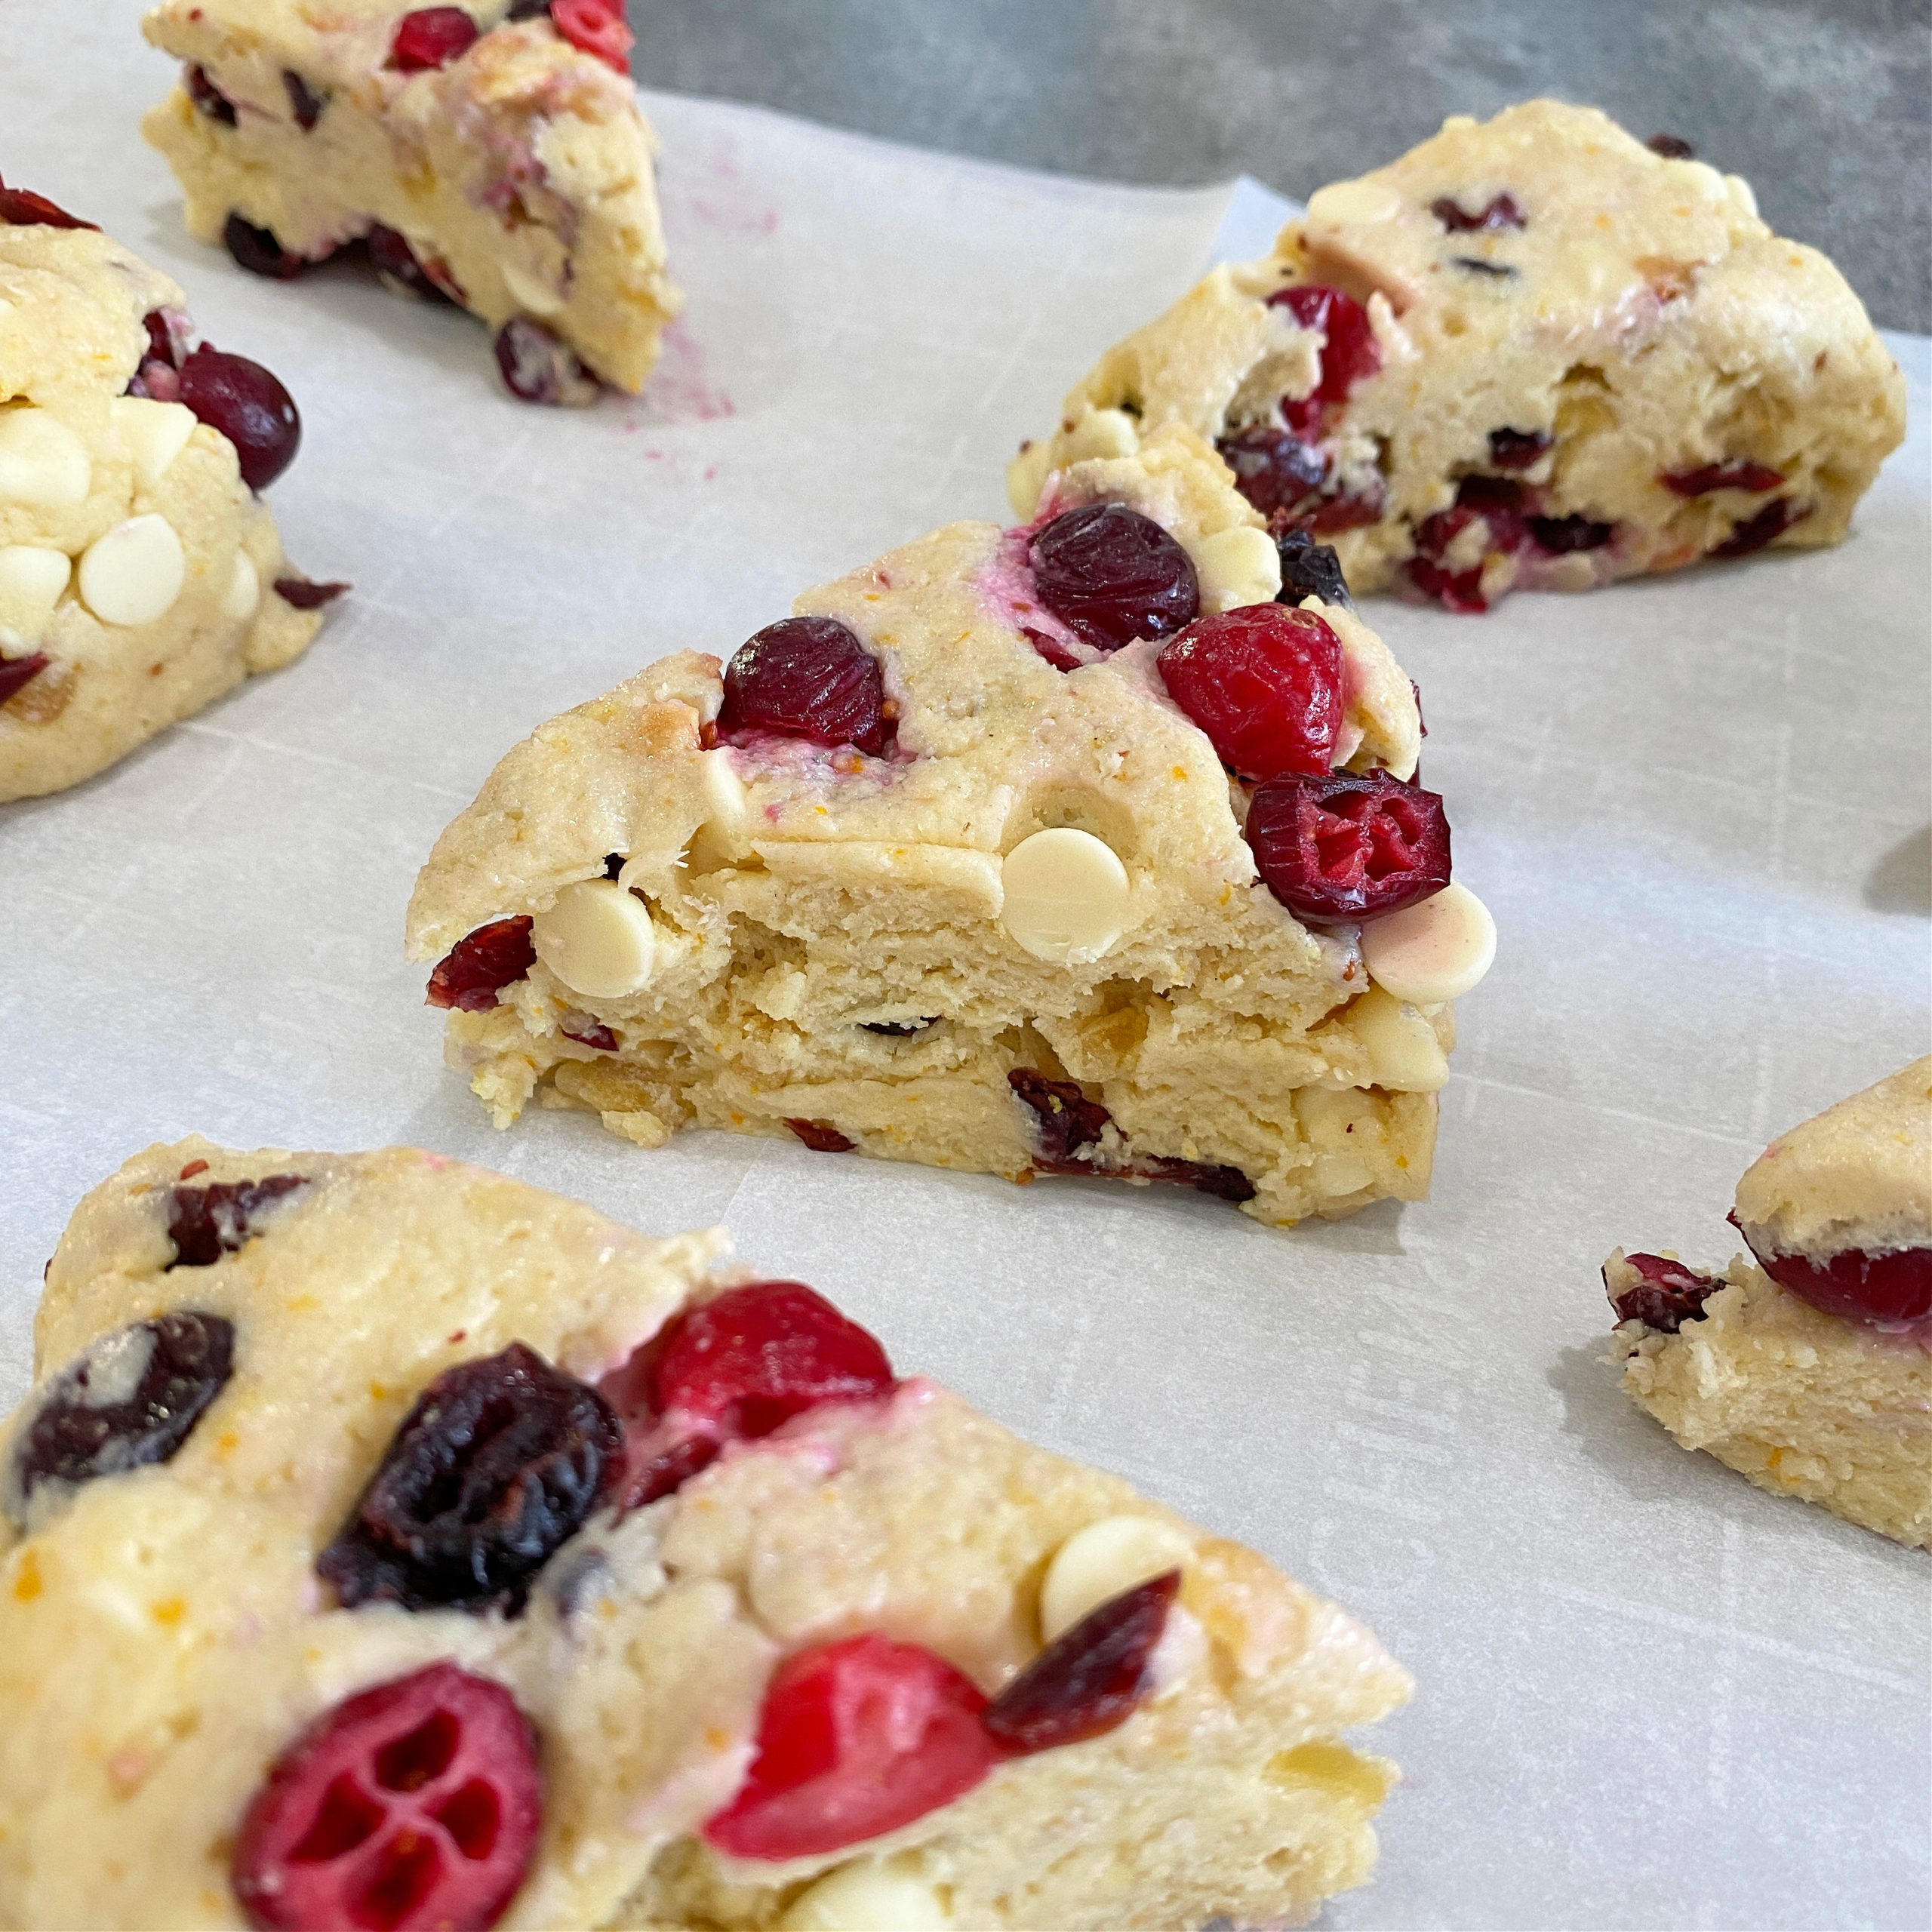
pixel 1649 1695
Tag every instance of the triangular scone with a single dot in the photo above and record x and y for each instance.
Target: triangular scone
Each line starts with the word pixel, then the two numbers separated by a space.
pixel 141 577
pixel 1533 352
pixel 363 1503
pixel 509 170
pixel 1024 932
pixel 1810 1371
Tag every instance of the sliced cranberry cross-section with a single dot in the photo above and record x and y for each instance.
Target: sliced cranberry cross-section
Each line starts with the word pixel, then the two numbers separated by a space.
pixel 1346 845
pixel 431 37
pixel 475 971
pixel 1264 683
pixel 1112 575
pixel 1350 352
pixel 806 678
pixel 1888 1286
pixel 1665 1295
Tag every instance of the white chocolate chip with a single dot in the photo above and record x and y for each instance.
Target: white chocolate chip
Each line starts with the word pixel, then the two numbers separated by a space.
pixel 867 1896
pixel 134 573
pixel 152 433
pixel 1337 1174
pixel 31 582
pixel 1740 193
pixel 1065 894
pixel 1705 178
pixel 532 293
pixel 1100 433
pixel 1237 567
pixel 1026 477
pixel 1437 950
pixel 598 938
pixel 1096 1564
pixel 43 464
pixel 1404 1055
pixel 1342 203
pixel 245 588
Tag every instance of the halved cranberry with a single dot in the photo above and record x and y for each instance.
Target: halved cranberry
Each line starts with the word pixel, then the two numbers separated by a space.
pixel 209 98
pixel 1112 575
pixel 821 1138
pixel 396 262
pixel 1895 1287
pixel 414 1807
pixel 477 967
pixel 1090 1679
pixel 1264 683
pixel 1066 1121
pixel 1350 352
pixel 1274 470
pixel 1773 521
pixel 1668 1295
pixel 1561 535
pixel 17 673
pixel 249 407
pixel 206 1222
pixel 805 678
pixel 21 208
pixel 855 1739
pixel 1309 569
pixel 303 102
pixel 1517 449
pixel 1454 590
pixel 305 595
pixel 1740 473
pixel 538 365
pixel 257 251
pixel 596 27
pixel 431 37
pixel 1346 845
pixel 1500 211
pixel 1672 147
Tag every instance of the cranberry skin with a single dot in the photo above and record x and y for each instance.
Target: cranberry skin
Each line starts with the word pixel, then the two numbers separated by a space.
pixel 1500 213
pixel 1772 521
pixel 805 678
pixel 208 98
pixel 73 1438
pixel 1351 352
pixel 537 365
pixel 1091 1679
pixel 1274 470
pixel 396 262
pixel 1224 1183
pixel 1895 1287
pixel 430 38
pixel 1112 575
pixel 1264 683
pixel 204 1223
pixel 21 208
pixel 249 407
pixel 1517 449
pixel 598 28
pixel 257 251
pixel 1562 536
pixel 1065 1119
pixel 855 1739
pixel 1668 1295
pixel 305 595
pixel 821 1138
pixel 414 1807
pixel 499 1464
pixel 1348 845
pixel 477 967
pixel 1739 473
pixel 303 102
pixel 17 673
pixel 1672 147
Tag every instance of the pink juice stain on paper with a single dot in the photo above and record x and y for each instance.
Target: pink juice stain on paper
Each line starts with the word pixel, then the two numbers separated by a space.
pixel 681 389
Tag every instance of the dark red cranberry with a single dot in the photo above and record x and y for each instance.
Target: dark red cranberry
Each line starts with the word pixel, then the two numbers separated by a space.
pixel 1666 1296
pixel 130 1399
pixel 21 208
pixel 598 28
pixel 1350 352
pixel 537 365
pixel 164 342
pixel 1274 470
pixel 1740 473
pixel 1065 1120
pixel 1773 521
pixel 820 1138
pixel 529 10
pixel 1499 212
pixel 303 102
pixel 662 1462
pixel 1562 535
pixel 1309 569
pixel 1895 1287
pixel 206 1222
pixel 208 98
pixel 1224 1183
pixel 1517 449
pixel 257 251
pixel 496 1466
pixel 414 1807
pixel 855 1739
pixel 1498 502
pixel 396 263
pixel 431 37
pixel 1347 845
pixel 478 967
pixel 1454 590
pixel 595 1035
pixel 1350 509
pixel 805 678
pixel 1091 1679
pixel 1264 683
pixel 306 596
pixel 249 407
pixel 17 673
pixel 1112 575
pixel 1672 147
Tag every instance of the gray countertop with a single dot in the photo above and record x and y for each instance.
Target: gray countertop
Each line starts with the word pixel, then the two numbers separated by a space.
pixel 1827 109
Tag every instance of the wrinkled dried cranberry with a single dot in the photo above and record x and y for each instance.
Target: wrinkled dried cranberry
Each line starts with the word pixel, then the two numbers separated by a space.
pixel 1264 682
pixel 249 407
pixel 1499 212
pixel 21 208
pixel 1067 1120
pixel 1894 1286
pixel 498 1465
pixel 17 673
pixel 257 251
pixel 1090 1679
pixel 1773 521
pixel 430 38
pixel 1562 535
pixel 537 365
pixel 1309 569
pixel 477 967
pixel 855 1739
pixel 1517 449
pixel 306 595
pixel 1348 845
pixel 820 1138
pixel 303 102
pixel 414 1807
pixel 595 1035
pixel 396 262
pixel 1224 1183
pixel 1672 147
pixel 1740 473
pixel 1274 470
pixel 208 98
pixel 1667 1295
pixel 1350 352
pixel 805 678
pixel 204 1223
pixel 596 27
pixel 1112 575
pixel 130 1399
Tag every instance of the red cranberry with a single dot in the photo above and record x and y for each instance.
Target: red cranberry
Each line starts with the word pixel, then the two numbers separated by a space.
pixel 1112 575
pixel 1274 470
pixel 1224 1183
pixel 820 1138
pixel 478 967
pixel 1090 1679
pixel 538 365
pixel 1562 535
pixel 1667 1295
pixel 1265 684
pixel 596 27
pixel 1351 351
pixel 1895 1287
pixel 206 1222
pixel 855 1739
pixel 249 407
pixel 1346 845
pixel 1500 212
pixel 1350 510
pixel 1065 1120
pixel 805 678
pixel 1773 521
pixel 303 102
pixel 209 98
pixel 431 37
pixel 164 341
pixel 1672 147
pixel 1517 449
pixel 21 208
pixel 1309 569
pixel 412 1807
pixel 1740 473
pixel 306 596
pixel 595 1035
pixel 396 263
pixel 17 673
pixel 257 251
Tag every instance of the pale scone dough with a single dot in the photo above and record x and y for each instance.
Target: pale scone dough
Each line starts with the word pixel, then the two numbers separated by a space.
pixel 80 461
pixel 1641 319
pixel 798 897
pixel 524 166
pixel 164 1635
